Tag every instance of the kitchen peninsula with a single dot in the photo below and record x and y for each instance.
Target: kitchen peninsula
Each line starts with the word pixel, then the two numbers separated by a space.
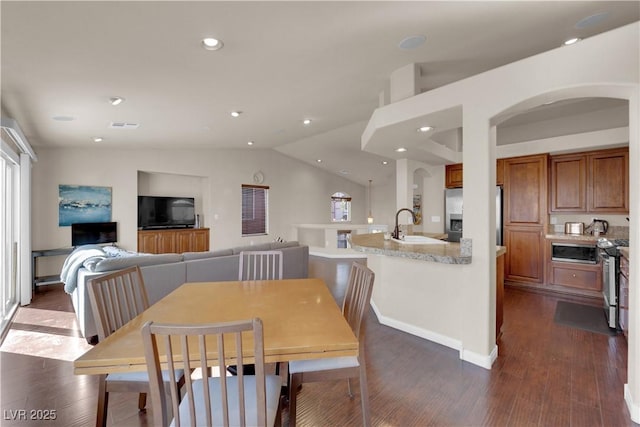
pixel 421 289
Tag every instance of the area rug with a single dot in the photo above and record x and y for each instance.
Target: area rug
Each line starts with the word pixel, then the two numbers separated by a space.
pixel 587 317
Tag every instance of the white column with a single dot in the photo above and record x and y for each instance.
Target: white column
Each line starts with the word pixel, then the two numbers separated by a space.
pixel 632 388
pixel 478 292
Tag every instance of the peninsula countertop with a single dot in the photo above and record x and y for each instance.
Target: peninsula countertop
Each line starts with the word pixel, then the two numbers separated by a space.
pixel 446 253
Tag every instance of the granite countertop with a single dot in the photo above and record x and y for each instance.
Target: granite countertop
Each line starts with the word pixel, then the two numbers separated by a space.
pixel 446 253
pixel 585 237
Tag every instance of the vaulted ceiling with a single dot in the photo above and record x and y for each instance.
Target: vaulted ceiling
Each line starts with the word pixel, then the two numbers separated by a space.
pixel 281 62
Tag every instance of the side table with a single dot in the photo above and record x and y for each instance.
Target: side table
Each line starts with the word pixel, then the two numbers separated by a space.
pixel 46 252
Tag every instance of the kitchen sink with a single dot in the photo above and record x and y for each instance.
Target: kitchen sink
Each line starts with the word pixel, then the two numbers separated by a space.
pixel 420 240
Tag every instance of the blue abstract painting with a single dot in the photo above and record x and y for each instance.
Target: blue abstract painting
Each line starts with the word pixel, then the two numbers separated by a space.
pixel 81 203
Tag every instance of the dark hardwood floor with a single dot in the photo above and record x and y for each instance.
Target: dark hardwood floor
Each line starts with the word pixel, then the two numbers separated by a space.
pixel 545 375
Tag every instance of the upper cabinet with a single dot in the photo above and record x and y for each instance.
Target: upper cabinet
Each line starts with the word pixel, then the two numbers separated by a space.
pixel 453 174
pixel 568 178
pixel 609 181
pixel 525 190
pixel 596 181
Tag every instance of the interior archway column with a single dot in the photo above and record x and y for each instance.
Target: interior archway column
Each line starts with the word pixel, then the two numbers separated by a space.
pixel 478 219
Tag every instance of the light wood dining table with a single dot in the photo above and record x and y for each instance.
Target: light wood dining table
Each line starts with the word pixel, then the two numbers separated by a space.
pixel 300 316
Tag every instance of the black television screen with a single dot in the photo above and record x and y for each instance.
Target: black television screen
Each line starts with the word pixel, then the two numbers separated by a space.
pixel 93 233
pixel 166 212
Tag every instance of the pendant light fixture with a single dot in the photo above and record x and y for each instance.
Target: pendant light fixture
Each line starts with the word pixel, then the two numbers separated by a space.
pixel 370 217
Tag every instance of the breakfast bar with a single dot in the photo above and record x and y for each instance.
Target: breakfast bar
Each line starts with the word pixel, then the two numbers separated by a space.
pixel 428 290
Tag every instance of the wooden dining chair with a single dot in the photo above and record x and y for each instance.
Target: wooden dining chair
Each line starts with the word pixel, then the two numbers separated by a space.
pixel 260 265
pixel 354 309
pixel 242 400
pixel 116 298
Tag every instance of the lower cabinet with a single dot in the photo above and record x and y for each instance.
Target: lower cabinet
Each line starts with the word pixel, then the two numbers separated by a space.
pixel 173 240
pixel 587 277
pixel 525 254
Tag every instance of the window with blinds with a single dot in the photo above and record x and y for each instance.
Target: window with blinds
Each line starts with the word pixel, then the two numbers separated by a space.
pixel 255 204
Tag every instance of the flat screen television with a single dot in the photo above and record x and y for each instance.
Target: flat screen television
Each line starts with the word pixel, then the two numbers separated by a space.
pixel 166 212
pixel 94 233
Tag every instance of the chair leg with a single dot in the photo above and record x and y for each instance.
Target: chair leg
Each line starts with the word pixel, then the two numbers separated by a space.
pixel 142 401
pixel 294 381
pixel 103 401
pixel 349 388
pixel 364 396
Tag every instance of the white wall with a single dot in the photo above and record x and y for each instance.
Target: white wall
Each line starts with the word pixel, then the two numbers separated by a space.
pixel 298 193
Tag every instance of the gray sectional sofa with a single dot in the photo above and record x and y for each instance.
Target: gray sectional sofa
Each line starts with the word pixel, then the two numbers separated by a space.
pixel 165 272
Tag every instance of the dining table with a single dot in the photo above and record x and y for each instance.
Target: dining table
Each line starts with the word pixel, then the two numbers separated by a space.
pixel 300 316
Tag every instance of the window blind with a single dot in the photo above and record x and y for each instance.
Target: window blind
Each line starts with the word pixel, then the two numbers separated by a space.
pixel 255 204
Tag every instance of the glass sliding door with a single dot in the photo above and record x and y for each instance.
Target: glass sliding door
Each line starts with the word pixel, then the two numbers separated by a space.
pixel 8 233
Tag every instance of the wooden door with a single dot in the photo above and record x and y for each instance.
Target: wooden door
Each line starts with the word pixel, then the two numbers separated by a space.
pixel 147 242
pixel 609 181
pixel 200 241
pixel 167 242
pixel 525 254
pixel 453 176
pixel 568 186
pixel 525 190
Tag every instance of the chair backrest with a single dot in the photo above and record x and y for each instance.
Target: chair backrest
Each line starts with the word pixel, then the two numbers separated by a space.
pixel 117 298
pixel 357 297
pixel 260 265
pixel 207 401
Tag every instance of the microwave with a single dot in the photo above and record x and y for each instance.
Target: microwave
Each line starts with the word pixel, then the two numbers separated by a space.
pixel 583 253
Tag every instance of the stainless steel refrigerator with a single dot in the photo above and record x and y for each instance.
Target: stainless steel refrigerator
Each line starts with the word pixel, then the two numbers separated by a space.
pixel 453 214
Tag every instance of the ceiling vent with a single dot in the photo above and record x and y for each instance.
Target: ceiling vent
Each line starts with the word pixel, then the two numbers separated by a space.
pixel 123 125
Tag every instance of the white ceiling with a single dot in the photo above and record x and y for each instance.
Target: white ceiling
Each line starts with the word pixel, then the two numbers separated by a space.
pixel 282 62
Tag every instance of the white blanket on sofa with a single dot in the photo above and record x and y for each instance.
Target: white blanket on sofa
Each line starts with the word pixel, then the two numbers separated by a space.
pixel 75 260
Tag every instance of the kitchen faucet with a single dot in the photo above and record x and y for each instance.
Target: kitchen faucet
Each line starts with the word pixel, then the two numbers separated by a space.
pixel 396 230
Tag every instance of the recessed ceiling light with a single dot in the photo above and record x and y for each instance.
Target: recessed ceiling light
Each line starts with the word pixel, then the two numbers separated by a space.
pixel 115 100
pixel 384 162
pixel 401 150
pixel 63 118
pixel 425 128
pixel 236 113
pixel 412 42
pixel 210 43
pixel 250 143
pixel 97 139
pixel 572 41
pixel 319 160
pixel 306 122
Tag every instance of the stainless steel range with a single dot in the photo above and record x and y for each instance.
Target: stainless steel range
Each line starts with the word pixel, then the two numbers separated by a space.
pixel 610 255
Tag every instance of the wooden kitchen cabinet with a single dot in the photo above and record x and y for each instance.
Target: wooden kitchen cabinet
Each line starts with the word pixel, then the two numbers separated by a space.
pixel 587 277
pixel 525 190
pixel 593 182
pixel 453 174
pixel 609 181
pixel 524 261
pixel 525 212
pixel 173 240
pixel 568 183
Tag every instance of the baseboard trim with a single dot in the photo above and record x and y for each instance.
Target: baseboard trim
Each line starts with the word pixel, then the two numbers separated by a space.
pixel 634 410
pixel 466 355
